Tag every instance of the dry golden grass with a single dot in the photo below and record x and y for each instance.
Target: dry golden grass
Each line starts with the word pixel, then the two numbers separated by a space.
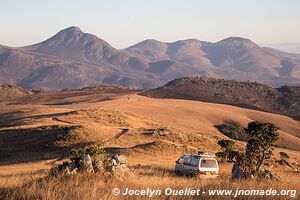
pixel 191 125
pixel 83 186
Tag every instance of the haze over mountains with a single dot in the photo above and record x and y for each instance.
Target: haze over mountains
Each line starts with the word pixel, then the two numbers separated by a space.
pixel 72 59
pixel 287 47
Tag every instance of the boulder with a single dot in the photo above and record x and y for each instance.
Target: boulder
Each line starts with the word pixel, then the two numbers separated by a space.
pixel 114 165
pixel 98 164
pixel 117 165
pixel 120 159
pixel 111 165
pixel 237 173
pixel 86 164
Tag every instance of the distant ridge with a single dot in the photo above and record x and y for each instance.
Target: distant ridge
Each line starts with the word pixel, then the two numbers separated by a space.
pixel 74 59
pixel 283 100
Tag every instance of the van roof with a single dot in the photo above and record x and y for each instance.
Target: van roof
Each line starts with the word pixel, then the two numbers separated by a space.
pixel 207 155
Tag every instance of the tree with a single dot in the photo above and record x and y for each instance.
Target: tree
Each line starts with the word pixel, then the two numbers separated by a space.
pixel 261 143
pixel 259 147
pixel 228 153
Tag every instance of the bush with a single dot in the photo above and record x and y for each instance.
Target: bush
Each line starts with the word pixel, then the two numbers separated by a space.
pixel 93 150
pixel 284 155
pixel 96 154
pixel 233 130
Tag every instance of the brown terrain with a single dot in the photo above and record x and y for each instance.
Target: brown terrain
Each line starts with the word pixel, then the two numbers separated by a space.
pixel 10 92
pixel 74 59
pixel 37 130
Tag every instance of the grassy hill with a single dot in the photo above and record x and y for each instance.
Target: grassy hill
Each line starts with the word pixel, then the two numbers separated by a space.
pixel 284 100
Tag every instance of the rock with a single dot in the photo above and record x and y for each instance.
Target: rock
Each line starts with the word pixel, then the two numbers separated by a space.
pixel 237 173
pixel 86 164
pixel 64 169
pixel 112 163
pixel 122 170
pixel 120 159
pixel 117 165
pixel 72 166
pixel 98 164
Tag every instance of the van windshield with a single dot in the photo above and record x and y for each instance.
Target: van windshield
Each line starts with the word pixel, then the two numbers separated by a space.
pixel 208 163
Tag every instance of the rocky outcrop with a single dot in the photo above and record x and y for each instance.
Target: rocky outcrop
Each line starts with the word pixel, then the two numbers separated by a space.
pixel 86 164
pixel 112 165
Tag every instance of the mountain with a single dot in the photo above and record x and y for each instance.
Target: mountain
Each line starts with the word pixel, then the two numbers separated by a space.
pixel 283 100
pixel 72 43
pixel 73 59
pixel 232 58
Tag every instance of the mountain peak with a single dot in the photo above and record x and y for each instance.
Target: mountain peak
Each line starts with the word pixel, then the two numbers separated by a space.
pixel 148 43
pixel 72 29
pixel 70 32
pixel 237 42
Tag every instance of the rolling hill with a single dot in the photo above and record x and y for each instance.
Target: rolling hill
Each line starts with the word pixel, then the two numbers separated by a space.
pixel 283 100
pixel 10 92
pixel 37 132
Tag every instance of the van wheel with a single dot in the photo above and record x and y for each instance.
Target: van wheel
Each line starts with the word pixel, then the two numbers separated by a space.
pixel 178 173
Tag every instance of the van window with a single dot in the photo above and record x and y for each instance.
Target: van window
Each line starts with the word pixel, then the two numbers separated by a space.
pixel 187 161
pixel 208 163
pixel 195 161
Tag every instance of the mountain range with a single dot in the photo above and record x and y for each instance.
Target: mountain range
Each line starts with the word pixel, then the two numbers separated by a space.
pixel 73 59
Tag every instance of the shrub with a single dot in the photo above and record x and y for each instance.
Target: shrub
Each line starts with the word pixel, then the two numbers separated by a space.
pixel 233 130
pixel 284 155
pixel 93 150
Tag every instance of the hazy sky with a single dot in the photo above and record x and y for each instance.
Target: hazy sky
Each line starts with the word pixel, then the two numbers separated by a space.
pixel 125 22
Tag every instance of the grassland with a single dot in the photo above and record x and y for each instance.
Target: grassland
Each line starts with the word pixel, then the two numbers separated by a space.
pixel 35 136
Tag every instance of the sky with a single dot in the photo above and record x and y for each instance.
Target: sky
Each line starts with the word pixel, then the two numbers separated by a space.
pixel 125 22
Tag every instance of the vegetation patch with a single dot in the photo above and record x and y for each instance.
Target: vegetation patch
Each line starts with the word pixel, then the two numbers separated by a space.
pixel 258 151
pixel 234 131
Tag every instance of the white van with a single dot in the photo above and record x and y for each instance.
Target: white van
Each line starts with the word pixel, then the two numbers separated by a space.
pixel 203 164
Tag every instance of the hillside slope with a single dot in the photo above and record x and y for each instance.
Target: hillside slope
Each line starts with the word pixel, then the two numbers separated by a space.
pixel 11 92
pixel 128 123
pixel 283 100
